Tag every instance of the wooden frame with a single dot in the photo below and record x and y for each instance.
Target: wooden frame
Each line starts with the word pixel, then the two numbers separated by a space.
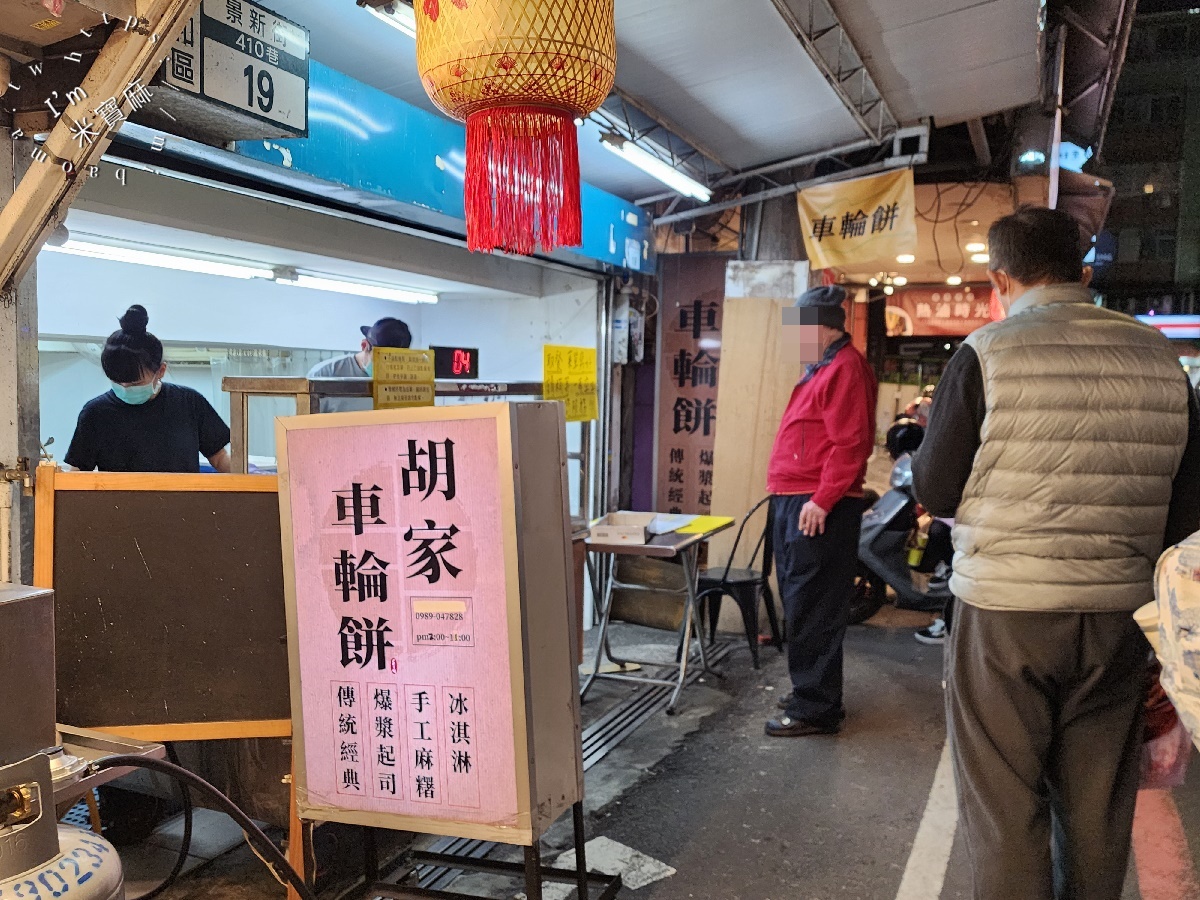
pixel 540 687
pixel 51 482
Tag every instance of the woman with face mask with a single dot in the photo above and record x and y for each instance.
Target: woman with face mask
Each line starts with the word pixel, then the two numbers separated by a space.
pixel 145 424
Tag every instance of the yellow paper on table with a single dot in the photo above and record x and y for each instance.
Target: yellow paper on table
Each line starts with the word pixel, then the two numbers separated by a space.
pixel 865 220
pixel 569 375
pixel 705 524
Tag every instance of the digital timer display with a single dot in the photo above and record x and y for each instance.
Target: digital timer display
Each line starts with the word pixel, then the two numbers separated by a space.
pixel 460 363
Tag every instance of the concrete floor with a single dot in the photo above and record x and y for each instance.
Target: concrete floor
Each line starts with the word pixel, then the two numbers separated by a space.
pixel 740 816
pixel 744 817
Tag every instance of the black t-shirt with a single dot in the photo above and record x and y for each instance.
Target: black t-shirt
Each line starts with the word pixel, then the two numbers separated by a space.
pixel 168 433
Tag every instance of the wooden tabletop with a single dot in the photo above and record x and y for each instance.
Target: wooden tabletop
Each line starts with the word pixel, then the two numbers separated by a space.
pixel 663 546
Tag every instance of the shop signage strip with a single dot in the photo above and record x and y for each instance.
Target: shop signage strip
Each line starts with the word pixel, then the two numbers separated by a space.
pixel 414 157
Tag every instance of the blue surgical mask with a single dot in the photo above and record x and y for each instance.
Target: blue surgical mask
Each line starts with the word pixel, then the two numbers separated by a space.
pixel 370 369
pixel 136 394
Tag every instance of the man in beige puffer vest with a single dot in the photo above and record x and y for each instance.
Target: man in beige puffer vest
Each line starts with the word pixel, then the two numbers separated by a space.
pixel 1065 441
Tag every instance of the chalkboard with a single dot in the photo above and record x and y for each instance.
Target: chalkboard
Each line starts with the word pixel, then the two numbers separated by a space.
pixel 169 607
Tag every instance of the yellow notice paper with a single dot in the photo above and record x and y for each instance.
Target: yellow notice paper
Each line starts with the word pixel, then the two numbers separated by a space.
pixel 403 378
pixel 393 365
pixel 705 524
pixel 569 375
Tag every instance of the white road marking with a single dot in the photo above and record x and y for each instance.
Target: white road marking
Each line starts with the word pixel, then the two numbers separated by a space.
pixel 926 870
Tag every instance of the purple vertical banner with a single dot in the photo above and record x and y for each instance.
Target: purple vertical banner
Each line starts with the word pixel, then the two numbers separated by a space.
pixel 691 317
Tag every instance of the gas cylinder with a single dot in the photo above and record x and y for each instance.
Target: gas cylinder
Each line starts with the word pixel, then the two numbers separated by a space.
pixel 86 868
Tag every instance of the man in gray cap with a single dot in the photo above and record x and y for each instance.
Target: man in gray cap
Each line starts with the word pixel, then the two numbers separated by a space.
pixel 384 333
pixel 816 478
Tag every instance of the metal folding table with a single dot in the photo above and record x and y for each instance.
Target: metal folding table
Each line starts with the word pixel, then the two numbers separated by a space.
pixel 681 545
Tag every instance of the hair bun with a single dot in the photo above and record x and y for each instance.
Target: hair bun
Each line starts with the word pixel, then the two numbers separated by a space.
pixel 135 320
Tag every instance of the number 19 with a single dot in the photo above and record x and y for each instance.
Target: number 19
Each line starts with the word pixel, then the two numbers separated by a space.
pixel 266 89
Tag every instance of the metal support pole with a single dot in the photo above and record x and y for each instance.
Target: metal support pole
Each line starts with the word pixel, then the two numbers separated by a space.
pixel 533 871
pixel 20 419
pixel 581 882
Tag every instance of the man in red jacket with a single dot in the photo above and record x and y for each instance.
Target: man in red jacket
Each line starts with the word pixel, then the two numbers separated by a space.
pixel 816 478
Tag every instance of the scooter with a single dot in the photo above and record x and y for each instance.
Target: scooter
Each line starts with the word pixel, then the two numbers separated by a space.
pixel 884 553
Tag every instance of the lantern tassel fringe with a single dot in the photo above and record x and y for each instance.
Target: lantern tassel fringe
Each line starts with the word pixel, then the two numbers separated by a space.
pixel 522 180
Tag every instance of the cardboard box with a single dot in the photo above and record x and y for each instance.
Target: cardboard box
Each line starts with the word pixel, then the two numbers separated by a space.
pixel 622 528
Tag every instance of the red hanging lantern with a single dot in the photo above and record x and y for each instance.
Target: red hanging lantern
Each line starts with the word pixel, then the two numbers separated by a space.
pixel 519 72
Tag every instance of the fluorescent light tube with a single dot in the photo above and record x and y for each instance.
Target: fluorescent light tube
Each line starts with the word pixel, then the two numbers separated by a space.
pixel 163 260
pixel 655 167
pixel 399 15
pixel 360 288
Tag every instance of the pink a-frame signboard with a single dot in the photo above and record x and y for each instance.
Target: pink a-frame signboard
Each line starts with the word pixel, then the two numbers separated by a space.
pixel 425 552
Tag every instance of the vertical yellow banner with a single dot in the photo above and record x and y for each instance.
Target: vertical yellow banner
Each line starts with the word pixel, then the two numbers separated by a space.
pixel 569 375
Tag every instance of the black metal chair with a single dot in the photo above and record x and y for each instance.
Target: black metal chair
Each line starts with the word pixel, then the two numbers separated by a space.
pixel 746 586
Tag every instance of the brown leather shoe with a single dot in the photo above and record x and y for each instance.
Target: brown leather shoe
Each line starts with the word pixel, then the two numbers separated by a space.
pixel 786 726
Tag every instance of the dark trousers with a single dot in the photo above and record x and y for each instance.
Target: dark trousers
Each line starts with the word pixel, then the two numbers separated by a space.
pixel 816 577
pixel 1044 712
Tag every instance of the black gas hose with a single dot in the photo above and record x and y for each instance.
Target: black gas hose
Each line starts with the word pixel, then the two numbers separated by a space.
pixel 185 845
pixel 259 841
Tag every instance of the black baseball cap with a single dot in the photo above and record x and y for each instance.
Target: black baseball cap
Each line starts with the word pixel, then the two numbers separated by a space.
pixel 387 333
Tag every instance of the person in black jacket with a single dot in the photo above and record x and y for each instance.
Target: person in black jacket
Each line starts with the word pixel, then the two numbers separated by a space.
pixel 145 424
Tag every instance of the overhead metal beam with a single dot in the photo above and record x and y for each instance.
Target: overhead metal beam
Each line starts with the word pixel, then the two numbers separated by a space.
pixel 1078 23
pixel 130 57
pixel 895 162
pixel 1086 91
pixel 650 112
pixel 979 142
pixel 918 132
pixel 825 39
pixel 639 123
pixel 759 171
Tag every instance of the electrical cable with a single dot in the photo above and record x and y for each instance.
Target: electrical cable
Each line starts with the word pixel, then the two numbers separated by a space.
pixel 270 868
pixel 259 841
pixel 185 844
pixel 933 216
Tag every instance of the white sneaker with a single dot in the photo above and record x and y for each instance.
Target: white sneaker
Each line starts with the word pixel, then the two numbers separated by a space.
pixel 934 634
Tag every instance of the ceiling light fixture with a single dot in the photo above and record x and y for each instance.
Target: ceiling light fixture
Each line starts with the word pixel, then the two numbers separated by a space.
pixel 889 290
pixel 175 262
pixel 399 15
pixel 899 281
pixel 954 280
pixel 976 247
pixel 356 288
pixel 906 259
pixel 979 258
pixel 655 167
